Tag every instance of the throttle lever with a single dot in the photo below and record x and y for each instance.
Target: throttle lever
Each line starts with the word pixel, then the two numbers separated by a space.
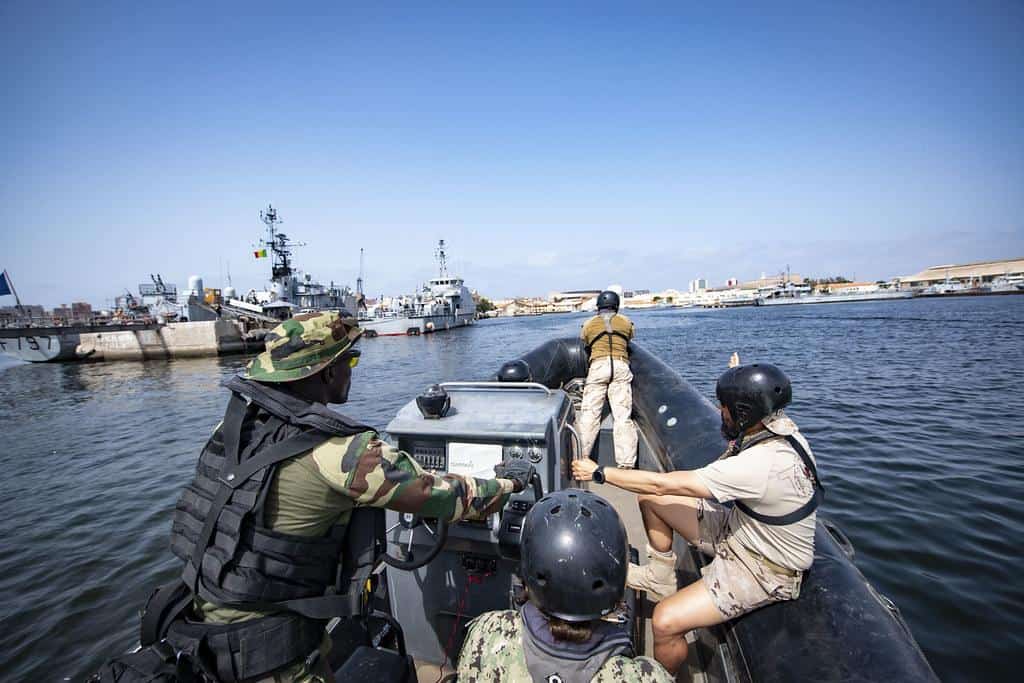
pixel 512 518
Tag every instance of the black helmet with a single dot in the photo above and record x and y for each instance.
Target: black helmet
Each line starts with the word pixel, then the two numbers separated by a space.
pixel 434 402
pixel 574 555
pixel 607 299
pixel 514 371
pixel 753 392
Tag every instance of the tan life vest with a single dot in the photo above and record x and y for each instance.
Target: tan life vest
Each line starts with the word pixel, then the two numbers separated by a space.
pixel 608 335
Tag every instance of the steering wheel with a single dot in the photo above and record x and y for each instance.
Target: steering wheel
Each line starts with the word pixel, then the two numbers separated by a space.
pixel 411 522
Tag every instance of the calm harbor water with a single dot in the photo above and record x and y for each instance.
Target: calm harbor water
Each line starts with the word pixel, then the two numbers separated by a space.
pixel 913 409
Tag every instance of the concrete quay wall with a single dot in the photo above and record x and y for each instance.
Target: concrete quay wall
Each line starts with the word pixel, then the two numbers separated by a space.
pixel 175 340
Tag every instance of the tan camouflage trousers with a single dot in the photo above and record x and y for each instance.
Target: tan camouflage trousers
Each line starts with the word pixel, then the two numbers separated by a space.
pixel 619 391
pixel 738 581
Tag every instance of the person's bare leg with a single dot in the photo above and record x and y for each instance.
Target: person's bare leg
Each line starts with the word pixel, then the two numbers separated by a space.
pixel 664 514
pixel 674 617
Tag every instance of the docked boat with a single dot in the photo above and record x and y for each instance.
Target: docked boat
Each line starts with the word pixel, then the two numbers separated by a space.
pixel 419 582
pixel 1006 284
pixel 791 293
pixel 443 303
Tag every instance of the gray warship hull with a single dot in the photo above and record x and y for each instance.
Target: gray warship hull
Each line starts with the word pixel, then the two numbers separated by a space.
pixel 415 325
pixel 127 342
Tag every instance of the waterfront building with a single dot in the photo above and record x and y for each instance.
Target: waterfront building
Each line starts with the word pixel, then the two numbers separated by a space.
pixel 11 315
pixel 698 285
pixel 978 273
pixel 771 281
pixel 78 312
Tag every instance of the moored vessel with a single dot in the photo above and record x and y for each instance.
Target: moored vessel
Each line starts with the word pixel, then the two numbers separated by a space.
pixel 791 293
pixel 443 303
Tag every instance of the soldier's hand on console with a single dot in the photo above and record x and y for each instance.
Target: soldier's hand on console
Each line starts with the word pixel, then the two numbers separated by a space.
pixel 583 469
pixel 518 471
pixel 734 360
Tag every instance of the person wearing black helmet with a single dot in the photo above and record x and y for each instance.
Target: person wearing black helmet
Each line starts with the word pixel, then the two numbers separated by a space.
pixel 761 546
pixel 607 337
pixel 574 556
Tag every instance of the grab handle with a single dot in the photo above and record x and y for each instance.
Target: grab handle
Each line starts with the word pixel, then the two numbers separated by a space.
pixel 841 538
pixel 520 386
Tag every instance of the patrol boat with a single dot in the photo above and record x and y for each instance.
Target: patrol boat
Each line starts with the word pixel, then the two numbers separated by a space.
pixel 443 303
pixel 427 579
pixel 410 585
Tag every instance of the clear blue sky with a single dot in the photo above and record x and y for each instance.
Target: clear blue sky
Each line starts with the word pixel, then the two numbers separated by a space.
pixel 554 148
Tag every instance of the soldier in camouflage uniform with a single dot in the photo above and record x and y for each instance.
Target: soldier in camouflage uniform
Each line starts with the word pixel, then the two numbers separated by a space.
pixel 568 630
pixel 274 545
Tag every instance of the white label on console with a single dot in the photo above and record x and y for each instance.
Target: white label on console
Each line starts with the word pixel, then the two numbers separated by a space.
pixel 473 459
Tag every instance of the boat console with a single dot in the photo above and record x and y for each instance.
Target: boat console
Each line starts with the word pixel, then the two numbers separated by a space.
pixel 454 573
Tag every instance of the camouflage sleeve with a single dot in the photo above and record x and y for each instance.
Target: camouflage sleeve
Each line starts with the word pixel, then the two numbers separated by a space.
pixel 492 649
pixel 371 472
pixel 622 669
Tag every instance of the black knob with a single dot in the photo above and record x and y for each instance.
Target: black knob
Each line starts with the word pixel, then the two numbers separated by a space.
pixel 434 402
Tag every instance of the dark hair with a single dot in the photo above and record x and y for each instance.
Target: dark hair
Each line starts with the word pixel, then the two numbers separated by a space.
pixel 570 631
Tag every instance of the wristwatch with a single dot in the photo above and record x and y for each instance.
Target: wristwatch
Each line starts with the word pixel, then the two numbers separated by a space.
pixel 598 475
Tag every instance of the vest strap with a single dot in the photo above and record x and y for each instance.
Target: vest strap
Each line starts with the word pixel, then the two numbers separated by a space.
pixel 804 510
pixel 163 607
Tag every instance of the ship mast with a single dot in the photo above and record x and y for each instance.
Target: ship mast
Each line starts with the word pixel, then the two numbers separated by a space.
pixel 440 256
pixel 279 245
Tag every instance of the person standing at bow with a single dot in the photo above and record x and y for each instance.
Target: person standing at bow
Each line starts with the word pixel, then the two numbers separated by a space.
pixel 607 336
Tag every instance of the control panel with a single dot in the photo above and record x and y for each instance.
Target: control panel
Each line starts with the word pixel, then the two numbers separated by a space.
pixel 484 424
pixel 472 457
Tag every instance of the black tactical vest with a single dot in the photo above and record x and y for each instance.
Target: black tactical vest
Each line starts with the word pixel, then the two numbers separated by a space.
pixel 231 556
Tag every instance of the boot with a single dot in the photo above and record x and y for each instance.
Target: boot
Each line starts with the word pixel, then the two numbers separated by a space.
pixel 657 577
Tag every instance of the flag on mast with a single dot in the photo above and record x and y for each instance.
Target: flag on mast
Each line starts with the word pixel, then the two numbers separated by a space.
pixel 5 284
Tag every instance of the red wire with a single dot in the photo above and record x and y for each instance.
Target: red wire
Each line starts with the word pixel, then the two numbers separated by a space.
pixel 471 579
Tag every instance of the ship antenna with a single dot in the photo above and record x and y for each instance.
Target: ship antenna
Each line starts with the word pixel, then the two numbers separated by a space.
pixel 279 244
pixel 359 280
pixel 439 254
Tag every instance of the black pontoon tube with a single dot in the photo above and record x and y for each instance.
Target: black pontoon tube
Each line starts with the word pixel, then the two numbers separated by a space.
pixel 840 629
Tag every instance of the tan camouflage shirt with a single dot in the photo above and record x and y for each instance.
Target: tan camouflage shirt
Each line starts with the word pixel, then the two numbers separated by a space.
pixel 493 653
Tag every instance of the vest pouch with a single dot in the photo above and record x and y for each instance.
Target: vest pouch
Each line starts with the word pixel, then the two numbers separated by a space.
pixel 158 663
pixel 247 649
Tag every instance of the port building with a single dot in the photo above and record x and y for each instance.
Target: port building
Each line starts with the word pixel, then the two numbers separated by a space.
pixel 977 272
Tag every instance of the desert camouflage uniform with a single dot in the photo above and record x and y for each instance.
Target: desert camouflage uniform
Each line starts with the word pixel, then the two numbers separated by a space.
pixel 493 653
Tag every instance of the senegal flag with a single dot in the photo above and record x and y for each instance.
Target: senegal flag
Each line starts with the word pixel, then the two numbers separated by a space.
pixel 260 253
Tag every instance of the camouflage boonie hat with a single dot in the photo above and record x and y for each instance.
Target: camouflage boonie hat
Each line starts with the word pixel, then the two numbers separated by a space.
pixel 304 345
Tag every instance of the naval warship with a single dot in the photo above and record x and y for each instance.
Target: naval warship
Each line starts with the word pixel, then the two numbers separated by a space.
pixel 290 290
